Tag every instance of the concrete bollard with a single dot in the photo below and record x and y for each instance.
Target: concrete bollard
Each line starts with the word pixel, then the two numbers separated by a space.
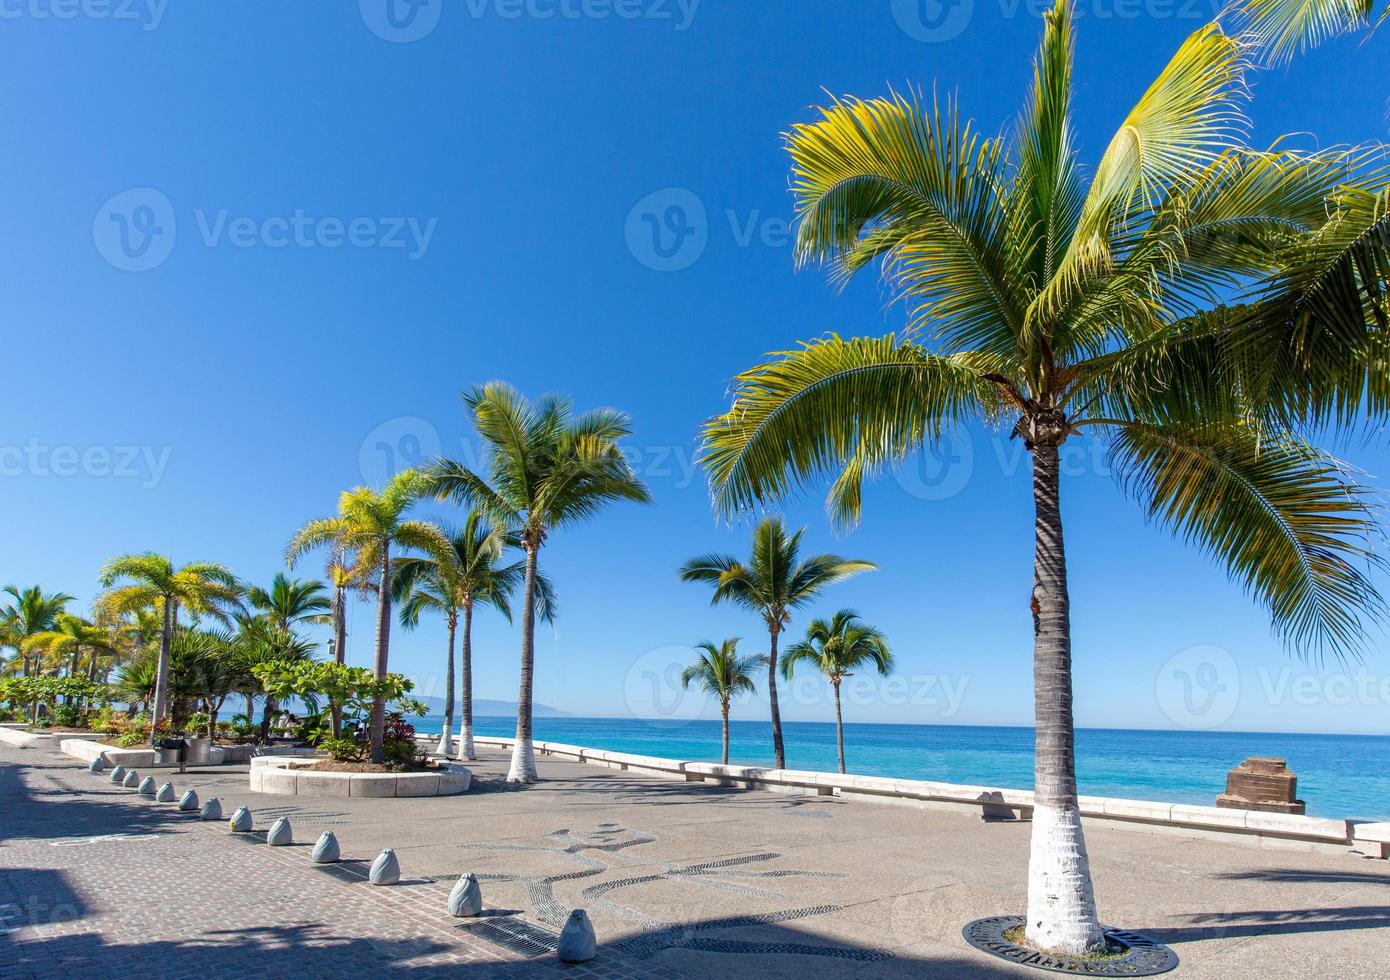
pixel 147 787
pixel 577 941
pixel 118 774
pixel 212 810
pixel 281 834
pixel 241 821
pixel 132 779
pixel 165 794
pixel 466 898
pixel 189 800
pixel 386 870
pixel 326 849
pixel 97 765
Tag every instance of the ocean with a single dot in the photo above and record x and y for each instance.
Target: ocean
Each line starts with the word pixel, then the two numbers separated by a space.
pixel 1339 776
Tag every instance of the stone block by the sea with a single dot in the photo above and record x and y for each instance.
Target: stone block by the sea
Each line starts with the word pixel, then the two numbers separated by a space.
pixel 189 800
pixel 578 944
pixel 281 834
pixel 386 870
pixel 326 849
pixel 466 898
pixel 241 821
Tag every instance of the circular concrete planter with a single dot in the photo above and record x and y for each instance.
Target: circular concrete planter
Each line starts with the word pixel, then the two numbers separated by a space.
pixel 286 776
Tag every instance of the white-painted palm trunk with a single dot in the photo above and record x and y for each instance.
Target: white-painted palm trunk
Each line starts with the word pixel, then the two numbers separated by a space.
pixel 446 741
pixel 1061 904
pixel 523 768
pixel 467 751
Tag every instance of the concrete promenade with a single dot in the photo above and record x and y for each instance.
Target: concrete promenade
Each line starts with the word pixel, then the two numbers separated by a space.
pixel 680 879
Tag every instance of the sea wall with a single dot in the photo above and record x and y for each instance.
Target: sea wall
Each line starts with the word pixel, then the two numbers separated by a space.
pixel 1243 826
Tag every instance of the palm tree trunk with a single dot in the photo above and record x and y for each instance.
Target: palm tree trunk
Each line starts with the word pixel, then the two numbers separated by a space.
pixel 466 749
pixel 523 768
pixel 724 711
pixel 839 727
pixel 445 739
pixel 266 715
pixel 383 646
pixel 779 754
pixel 161 678
pixel 1061 904
pixel 340 625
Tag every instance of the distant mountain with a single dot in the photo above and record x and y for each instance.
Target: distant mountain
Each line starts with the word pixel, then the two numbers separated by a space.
pixel 487 708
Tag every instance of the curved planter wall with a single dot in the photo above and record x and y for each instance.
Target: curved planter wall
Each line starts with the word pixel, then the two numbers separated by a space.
pixel 283 776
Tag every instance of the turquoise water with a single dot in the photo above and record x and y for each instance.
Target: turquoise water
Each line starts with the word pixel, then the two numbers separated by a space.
pixel 1338 775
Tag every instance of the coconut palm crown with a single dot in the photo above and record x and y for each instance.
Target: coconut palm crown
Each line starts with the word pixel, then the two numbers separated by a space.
pixel 1198 304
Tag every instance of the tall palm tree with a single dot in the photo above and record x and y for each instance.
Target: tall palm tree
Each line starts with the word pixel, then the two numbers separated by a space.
pixel 1280 29
pixel 837 649
pixel 32 611
pixel 341 576
pixel 1068 307
pixel 471 574
pixel 71 637
pixel 772 583
pixel 368 525
pixel 148 580
pixel 720 671
pixel 289 602
pixel 547 469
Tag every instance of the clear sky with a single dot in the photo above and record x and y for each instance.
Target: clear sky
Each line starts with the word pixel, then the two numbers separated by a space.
pixel 253 251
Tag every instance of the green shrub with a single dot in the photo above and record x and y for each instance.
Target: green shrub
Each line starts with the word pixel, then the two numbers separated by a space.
pixel 66 715
pixel 344 749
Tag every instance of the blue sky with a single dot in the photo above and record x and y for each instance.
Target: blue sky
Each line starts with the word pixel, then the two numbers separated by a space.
pixel 332 228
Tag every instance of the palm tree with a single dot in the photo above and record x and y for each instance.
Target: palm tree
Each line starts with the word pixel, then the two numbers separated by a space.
pixel 261 640
pixel 289 601
pixel 471 574
pixel 342 576
pixel 1067 309
pixel 548 469
pixel 71 637
pixel 152 581
pixel 368 525
pixel 772 583
pixel 1279 29
pixel 32 611
pixel 722 672
pixel 836 649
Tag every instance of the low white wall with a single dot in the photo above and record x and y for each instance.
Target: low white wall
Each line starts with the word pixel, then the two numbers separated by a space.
pixel 1247 826
pixel 22 739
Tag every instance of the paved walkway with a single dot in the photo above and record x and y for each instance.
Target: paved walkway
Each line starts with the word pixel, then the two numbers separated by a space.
pixel 681 881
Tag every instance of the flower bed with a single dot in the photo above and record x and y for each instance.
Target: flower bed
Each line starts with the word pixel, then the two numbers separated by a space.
pixel 290 776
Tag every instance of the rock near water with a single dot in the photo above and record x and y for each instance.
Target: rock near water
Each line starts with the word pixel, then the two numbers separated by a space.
pixel 281 834
pixel 466 898
pixel 241 821
pixel 326 849
pixel 577 941
pixel 386 870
